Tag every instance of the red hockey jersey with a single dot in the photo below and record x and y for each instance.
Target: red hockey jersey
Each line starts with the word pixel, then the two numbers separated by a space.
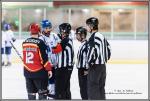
pixel 35 58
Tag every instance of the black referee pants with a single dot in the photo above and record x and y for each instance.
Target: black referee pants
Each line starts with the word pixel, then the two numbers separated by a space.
pixel 62 83
pixel 83 83
pixel 96 82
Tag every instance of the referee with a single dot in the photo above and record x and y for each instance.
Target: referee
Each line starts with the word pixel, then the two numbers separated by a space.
pixel 82 66
pixel 98 55
pixel 65 63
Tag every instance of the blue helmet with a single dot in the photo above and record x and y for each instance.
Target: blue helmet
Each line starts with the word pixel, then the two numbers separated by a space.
pixel 46 23
pixel 7 26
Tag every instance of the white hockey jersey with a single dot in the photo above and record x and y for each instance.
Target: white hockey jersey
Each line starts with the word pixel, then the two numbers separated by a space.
pixel 9 36
pixel 51 42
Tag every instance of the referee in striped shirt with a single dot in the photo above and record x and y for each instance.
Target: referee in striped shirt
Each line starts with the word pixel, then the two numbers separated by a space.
pixel 64 68
pixel 82 66
pixel 98 54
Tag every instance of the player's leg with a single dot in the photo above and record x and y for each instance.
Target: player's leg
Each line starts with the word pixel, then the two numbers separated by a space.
pixel 83 83
pixel 31 96
pixel 3 56
pixel 51 85
pixel 94 75
pixel 31 89
pixel 80 81
pixel 102 81
pixel 42 85
pixel 60 83
pixel 8 55
pixel 69 72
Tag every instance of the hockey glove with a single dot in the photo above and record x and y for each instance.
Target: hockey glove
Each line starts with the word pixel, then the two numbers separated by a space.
pixel 13 39
pixel 57 49
pixel 50 74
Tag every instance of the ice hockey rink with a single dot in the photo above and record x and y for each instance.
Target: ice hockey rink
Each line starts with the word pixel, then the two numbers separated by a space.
pixel 127 72
pixel 124 24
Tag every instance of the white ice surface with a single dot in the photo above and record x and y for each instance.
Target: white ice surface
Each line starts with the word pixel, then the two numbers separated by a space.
pixel 119 77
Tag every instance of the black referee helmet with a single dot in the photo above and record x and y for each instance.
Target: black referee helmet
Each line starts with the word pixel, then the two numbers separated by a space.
pixel 65 28
pixel 81 31
pixel 93 22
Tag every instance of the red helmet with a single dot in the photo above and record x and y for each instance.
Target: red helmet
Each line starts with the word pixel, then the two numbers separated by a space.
pixel 34 28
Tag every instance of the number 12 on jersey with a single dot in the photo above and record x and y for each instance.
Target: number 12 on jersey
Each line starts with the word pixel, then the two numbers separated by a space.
pixel 29 57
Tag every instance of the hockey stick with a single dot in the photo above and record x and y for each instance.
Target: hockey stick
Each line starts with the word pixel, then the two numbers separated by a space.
pixel 16 51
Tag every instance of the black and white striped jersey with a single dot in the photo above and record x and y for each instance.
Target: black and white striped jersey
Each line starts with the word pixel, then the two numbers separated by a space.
pixel 99 50
pixel 82 56
pixel 66 57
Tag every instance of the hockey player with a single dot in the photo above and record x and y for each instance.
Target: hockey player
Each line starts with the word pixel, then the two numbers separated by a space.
pixel 9 39
pixel 37 68
pixel 65 63
pixel 98 55
pixel 82 65
pixel 51 40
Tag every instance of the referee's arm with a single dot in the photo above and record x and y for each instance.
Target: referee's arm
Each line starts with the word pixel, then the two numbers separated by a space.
pixel 91 52
pixel 109 49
